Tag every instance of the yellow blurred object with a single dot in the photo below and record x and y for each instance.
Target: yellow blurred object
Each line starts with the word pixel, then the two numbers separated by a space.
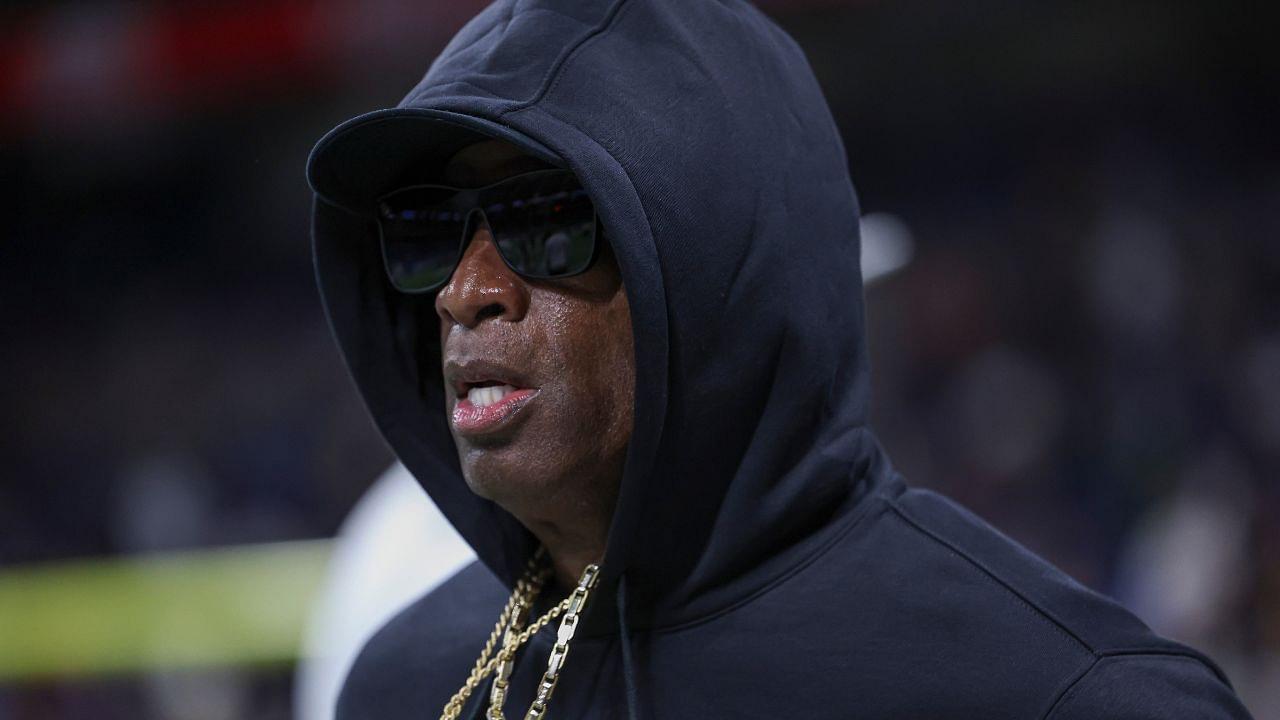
pixel 225 606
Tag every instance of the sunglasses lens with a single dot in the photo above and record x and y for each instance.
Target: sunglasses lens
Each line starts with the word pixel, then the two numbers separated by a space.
pixel 421 234
pixel 544 224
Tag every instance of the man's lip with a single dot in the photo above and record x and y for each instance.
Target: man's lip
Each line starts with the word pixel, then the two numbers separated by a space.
pixel 469 419
pixel 462 374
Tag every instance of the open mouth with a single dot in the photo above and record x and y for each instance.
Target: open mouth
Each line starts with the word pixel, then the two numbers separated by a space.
pixel 486 405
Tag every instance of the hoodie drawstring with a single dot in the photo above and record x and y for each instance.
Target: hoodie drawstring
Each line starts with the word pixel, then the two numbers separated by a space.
pixel 628 660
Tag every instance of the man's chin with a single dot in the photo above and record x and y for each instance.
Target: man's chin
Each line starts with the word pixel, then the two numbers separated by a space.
pixel 501 473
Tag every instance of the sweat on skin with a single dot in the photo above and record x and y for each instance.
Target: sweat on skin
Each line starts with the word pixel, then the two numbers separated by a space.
pixel 538 381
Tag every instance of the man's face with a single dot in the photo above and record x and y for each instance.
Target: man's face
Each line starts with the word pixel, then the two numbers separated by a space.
pixel 547 440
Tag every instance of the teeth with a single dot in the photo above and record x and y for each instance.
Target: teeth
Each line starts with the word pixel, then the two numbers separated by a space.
pixel 486 396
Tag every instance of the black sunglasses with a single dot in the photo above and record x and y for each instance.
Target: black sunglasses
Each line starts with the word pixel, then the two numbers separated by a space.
pixel 542 222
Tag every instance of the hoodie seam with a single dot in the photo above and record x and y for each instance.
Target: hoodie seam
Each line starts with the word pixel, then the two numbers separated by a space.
pixel 1169 653
pixel 1069 689
pixel 843 531
pixel 556 71
pixel 420 94
pixel 1074 688
pixel 986 572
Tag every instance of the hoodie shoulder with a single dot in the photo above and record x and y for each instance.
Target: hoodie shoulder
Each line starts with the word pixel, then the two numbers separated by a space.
pixel 1131 672
pixel 1148 687
pixel 420 657
pixel 1097 623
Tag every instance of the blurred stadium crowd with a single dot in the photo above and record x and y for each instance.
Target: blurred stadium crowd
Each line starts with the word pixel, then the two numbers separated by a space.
pixel 1085 348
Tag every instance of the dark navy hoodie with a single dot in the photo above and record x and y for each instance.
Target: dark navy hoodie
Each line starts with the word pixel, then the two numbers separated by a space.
pixel 765 560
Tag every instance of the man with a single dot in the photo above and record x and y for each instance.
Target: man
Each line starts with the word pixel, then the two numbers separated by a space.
pixel 670 399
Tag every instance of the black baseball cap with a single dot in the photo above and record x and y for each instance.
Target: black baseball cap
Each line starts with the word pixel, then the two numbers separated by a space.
pixel 372 154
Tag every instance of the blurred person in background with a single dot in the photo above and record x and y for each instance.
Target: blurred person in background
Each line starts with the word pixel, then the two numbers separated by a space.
pixel 659 441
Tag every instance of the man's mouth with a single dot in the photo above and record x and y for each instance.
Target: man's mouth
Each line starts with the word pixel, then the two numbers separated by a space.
pixel 488 395
pixel 484 396
pixel 486 408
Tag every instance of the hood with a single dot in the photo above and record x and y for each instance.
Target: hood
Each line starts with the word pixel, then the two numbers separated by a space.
pixel 718 173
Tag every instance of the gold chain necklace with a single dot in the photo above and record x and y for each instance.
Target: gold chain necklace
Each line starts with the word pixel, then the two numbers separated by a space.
pixel 509 626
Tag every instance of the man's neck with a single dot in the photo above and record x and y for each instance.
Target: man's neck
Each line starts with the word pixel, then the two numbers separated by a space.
pixel 570 552
pixel 569 564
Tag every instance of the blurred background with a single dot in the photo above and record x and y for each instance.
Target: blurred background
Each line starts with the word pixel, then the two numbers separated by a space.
pixel 1084 347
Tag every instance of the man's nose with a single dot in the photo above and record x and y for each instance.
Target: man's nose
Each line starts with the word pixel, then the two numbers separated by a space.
pixel 482 286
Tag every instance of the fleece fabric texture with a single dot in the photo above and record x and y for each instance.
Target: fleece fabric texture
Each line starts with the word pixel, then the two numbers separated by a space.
pixel 765 560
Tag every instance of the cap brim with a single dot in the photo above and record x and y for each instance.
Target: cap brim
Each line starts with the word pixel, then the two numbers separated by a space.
pixel 368 156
